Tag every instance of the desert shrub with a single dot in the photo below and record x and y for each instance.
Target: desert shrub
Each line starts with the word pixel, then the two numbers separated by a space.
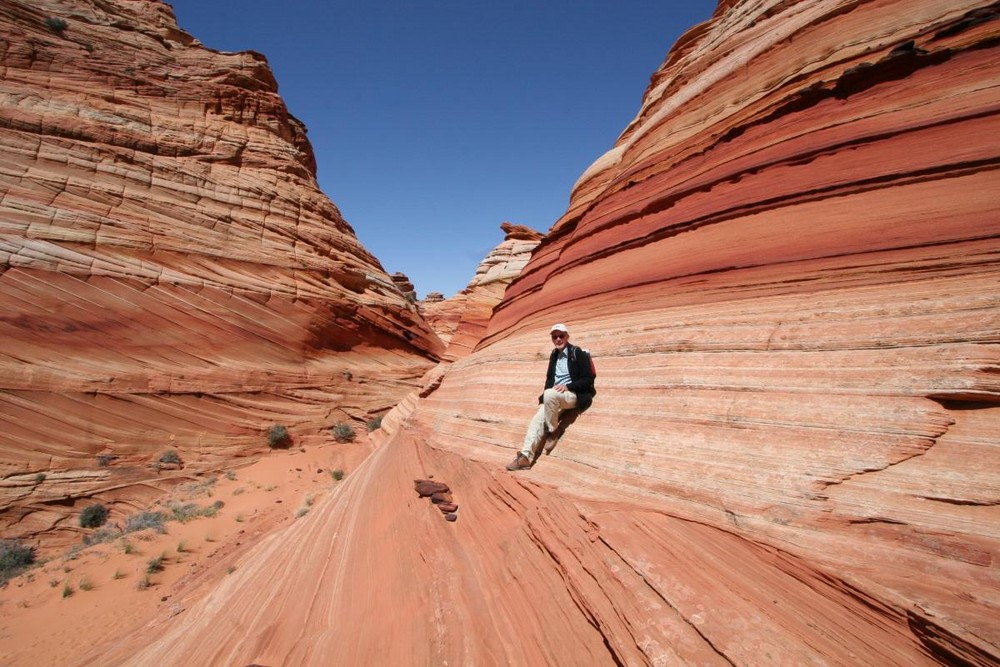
pixel 170 456
pixel 15 558
pixel 93 516
pixel 277 436
pixel 102 536
pixel 342 432
pixel 155 565
pixel 187 511
pixel 337 474
pixel 104 460
pixel 202 488
pixel 144 520
pixel 375 424
pixel 67 590
pixel 56 25
pixel 184 512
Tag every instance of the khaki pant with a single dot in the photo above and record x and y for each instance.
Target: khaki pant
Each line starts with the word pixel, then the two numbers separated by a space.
pixel 553 403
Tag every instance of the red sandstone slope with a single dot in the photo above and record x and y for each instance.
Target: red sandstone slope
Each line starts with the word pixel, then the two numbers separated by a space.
pixel 787 270
pixel 170 274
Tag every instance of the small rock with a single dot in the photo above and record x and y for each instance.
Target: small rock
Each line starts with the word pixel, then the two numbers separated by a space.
pixel 425 487
pixel 447 507
pixel 451 516
pixel 441 497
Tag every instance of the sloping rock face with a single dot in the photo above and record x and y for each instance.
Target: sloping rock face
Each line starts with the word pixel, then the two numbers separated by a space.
pixel 461 320
pixel 787 271
pixel 170 274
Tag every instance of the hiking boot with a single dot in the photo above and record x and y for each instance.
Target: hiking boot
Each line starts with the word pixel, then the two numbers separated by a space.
pixel 520 462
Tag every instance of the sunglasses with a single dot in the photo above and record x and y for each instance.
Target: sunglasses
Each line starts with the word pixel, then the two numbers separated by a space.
pixel 558 336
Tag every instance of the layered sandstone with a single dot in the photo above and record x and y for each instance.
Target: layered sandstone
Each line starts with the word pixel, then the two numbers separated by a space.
pixel 786 270
pixel 461 321
pixel 171 277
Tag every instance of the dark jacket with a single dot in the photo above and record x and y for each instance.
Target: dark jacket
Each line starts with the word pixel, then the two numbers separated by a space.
pixel 581 373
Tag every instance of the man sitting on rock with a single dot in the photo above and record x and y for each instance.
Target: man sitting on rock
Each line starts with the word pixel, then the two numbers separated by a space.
pixel 569 383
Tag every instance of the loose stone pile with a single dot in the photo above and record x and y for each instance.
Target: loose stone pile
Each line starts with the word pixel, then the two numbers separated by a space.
pixel 440 495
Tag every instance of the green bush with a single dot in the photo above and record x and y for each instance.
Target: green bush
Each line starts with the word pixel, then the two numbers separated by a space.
pixel 170 456
pixel 93 516
pixel 337 474
pixel 375 424
pixel 56 25
pixel 343 432
pixel 14 559
pixel 277 436
pixel 155 565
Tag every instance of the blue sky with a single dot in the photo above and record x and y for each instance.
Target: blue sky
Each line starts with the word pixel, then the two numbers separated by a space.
pixel 434 122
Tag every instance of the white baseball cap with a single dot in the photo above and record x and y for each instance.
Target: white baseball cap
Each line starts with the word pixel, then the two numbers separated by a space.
pixel 559 327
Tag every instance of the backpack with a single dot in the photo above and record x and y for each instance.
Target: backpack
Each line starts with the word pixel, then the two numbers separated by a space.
pixel 593 367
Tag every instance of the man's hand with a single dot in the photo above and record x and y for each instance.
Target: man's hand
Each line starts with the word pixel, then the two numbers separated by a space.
pixel 561 388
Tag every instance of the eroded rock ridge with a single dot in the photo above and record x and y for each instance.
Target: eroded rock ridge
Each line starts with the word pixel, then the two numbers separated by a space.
pixel 170 274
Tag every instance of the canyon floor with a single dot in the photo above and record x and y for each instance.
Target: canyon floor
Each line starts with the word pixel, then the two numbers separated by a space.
pixel 75 598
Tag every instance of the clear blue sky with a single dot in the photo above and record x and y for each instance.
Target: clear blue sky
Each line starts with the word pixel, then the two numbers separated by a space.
pixel 435 121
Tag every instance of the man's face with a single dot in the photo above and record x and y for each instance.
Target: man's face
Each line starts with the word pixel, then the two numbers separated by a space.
pixel 559 339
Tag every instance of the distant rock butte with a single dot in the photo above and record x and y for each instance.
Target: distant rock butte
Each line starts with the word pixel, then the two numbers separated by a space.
pixel 170 274
pixel 461 320
pixel 787 271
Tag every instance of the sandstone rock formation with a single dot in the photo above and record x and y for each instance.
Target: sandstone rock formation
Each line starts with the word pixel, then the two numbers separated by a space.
pixel 461 320
pixel 170 273
pixel 787 271
pixel 405 287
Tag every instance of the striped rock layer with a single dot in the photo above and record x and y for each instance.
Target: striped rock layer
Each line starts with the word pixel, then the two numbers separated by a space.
pixel 787 271
pixel 171 277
